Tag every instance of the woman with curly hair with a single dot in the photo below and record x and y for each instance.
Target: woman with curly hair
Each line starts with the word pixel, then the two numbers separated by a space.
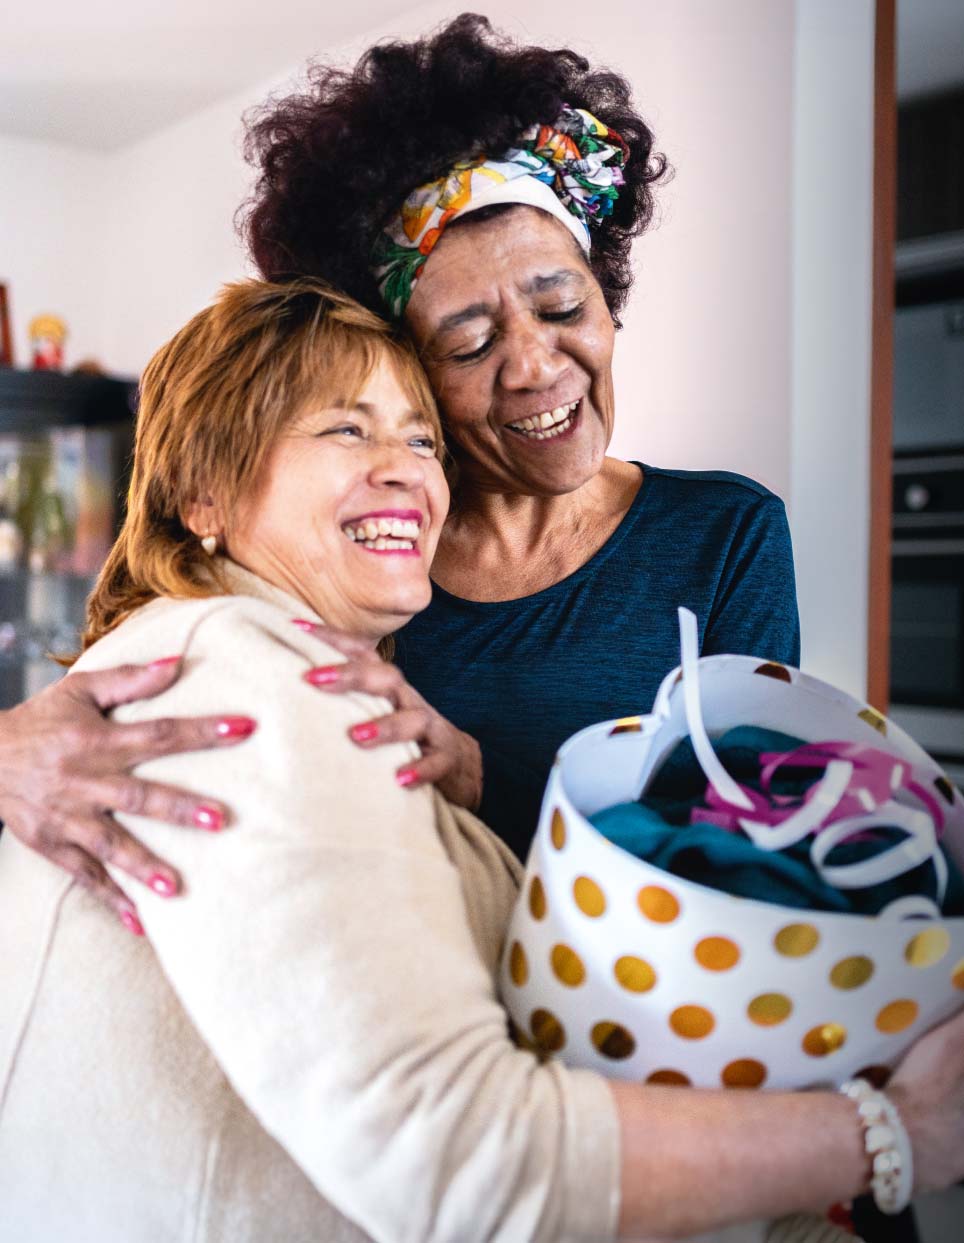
pixel 485 196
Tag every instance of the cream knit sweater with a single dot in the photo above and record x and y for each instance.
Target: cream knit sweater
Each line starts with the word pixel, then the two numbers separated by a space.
pixel 307 1045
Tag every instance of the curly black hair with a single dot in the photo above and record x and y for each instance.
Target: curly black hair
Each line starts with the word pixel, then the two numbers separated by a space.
pixel 336 161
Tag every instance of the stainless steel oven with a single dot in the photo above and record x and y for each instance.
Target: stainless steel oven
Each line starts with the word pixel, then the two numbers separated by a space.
pixel 927 608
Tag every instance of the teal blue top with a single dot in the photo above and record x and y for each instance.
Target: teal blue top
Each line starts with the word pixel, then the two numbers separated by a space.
pixel 522 675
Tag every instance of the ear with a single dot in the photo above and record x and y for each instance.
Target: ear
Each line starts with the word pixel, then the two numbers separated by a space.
pixel 204 517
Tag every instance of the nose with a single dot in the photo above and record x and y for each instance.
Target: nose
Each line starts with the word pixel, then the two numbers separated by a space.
pixel 394 465
pixel 532 359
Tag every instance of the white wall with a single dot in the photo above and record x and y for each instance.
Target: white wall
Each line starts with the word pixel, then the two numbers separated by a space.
pixel 832 288
pixel 53 254
pixel 746 343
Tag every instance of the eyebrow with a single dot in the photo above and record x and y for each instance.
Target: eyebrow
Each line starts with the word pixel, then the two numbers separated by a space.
pixel 538 284
pixel 366 407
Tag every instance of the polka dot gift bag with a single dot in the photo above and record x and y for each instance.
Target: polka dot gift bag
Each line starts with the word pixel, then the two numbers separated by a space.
pixel 641 972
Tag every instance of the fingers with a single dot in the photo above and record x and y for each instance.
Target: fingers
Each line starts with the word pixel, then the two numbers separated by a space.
pixel 431 769
pixel 149 740
pixel 341 640
pixel 157 802
pixel 406 725
pixel 107 841
pixel 91 874
pixel 109 687
pixel 370 676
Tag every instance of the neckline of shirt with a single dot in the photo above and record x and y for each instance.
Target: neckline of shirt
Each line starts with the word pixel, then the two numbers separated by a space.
pixel 603 553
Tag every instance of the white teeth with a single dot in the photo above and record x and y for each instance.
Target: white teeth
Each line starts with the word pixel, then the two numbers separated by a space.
pixel 543 426
pixel 383 533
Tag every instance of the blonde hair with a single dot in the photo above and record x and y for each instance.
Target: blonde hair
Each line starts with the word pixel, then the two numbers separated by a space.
pixel 212 402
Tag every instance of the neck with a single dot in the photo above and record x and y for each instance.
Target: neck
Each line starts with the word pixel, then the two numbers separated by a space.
pixel 499 544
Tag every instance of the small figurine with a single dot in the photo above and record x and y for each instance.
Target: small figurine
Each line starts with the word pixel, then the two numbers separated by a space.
pixel 47 336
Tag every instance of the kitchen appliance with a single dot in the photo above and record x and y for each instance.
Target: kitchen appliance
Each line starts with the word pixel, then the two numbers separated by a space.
pixel 927 603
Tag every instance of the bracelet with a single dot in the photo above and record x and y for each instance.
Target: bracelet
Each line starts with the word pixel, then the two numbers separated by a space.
pixel 886 1143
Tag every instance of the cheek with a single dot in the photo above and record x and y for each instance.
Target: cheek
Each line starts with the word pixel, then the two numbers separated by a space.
pixel 463 398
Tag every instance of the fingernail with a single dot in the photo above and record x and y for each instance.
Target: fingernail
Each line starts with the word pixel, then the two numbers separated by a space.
pixel 236 727
pixel 406 776
pixel 208 817
pixel 302 623
pixel 164 663
pixel 132 923
pixel 162 885
pixel 364 733
pixel 323 676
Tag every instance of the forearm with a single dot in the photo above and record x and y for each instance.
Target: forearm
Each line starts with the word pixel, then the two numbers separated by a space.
pixel 694 1161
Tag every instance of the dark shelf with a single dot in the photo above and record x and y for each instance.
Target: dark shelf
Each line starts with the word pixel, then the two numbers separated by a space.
pixel 39 401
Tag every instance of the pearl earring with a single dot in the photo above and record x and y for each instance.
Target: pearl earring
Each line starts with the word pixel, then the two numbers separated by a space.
pixel 210 544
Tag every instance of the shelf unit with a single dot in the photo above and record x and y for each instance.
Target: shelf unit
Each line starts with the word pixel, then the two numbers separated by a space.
pixel 42 612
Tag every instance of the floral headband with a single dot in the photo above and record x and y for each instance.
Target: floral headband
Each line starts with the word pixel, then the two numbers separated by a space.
pixel 572 169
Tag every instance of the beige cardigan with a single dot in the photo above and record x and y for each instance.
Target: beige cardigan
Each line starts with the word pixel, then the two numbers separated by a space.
pixel 308 1044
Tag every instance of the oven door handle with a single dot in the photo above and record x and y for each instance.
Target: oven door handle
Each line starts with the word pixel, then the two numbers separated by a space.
pixel 927 548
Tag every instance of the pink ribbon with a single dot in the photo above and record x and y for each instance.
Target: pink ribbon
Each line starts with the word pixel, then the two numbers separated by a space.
pixel 876 778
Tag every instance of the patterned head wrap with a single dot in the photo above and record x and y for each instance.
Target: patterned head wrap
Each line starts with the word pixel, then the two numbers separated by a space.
pixel 572 169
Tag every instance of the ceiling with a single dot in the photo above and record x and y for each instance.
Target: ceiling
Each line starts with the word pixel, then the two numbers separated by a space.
pixel 103 74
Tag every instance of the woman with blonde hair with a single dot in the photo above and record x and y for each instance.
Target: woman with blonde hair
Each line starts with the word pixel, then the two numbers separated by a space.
pixel 309 1046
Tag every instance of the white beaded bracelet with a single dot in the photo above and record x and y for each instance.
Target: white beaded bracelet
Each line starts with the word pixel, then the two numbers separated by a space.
pixel 886 1143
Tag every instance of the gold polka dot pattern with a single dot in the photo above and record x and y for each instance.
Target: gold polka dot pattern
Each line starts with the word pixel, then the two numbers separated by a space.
pixel 558 830
pixel 897 1016
pixel 745 1072
pixel 769 1009
pixel 670 1078
pixel 873 718
pixel 547 1032
pixel 692 1022
pixel 634 974
pixel 589 897
pixel 613 1041
pixel 824 1039
pixel 537 898
pixel 852 972
pixel 518 965
pixel 773 670
pixel 717 953
pixel 567 966
pixel 928 947
pixel 957 975
pixel 658 904
pixel 796 940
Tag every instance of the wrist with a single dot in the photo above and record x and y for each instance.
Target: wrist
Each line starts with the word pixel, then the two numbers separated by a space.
pixel 887 1144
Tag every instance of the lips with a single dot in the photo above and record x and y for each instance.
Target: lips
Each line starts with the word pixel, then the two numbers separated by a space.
pixel 549 424
pixel 386 531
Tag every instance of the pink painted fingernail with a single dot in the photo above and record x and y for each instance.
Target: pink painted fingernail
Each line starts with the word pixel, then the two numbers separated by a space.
pixel 406 776
pixel 208 817
pixel 162 885
pixel 302 623
pixel 132 923
pixel 236 727
pixel 165 662
pixel 364 733
pixel 323 676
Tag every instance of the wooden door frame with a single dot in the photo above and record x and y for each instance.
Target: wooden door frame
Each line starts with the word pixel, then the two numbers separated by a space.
pixel 882 354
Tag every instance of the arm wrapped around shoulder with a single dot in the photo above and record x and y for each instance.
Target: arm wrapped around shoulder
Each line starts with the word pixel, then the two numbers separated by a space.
pixel 324 952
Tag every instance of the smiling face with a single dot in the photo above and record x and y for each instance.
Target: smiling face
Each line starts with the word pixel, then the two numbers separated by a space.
pixel 349 509
pixel 517 340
